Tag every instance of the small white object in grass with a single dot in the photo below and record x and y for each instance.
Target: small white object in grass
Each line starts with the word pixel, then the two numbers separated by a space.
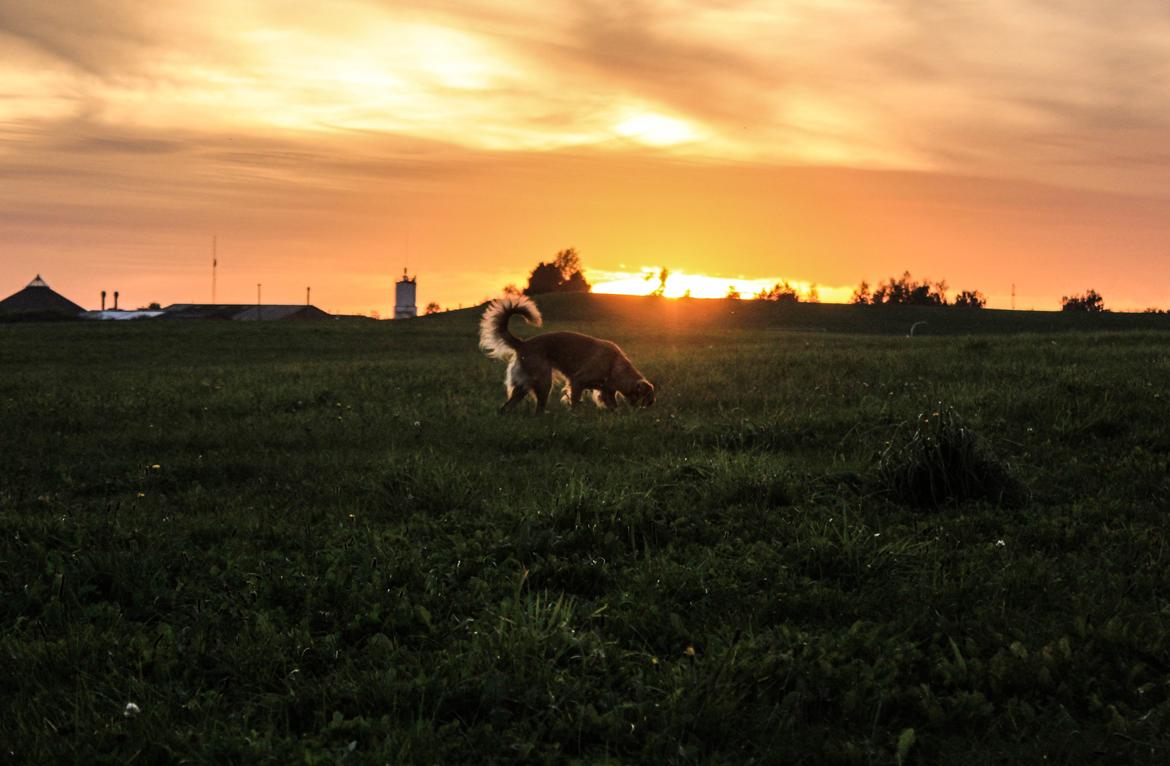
pixel 1000 544
pixel 131 710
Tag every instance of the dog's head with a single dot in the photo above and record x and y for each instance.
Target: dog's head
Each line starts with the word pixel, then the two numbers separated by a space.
pixel 643 393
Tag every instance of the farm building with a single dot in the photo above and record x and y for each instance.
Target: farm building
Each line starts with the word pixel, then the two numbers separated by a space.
pixel 242 311
pixel 38 298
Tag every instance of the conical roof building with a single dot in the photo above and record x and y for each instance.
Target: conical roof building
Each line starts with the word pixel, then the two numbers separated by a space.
pixel 39 298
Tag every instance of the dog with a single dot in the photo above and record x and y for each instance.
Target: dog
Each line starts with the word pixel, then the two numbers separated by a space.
pixel 587 363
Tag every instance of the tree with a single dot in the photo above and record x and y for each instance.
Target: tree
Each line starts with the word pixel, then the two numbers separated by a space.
pixel 545 278
pixel 575 284
pixel 662 277
pixel 732 293
pixel 563 275
pixel 1090 302
pixel 970 299
pixel 904 291
pixel 782 292
pixel 432 308
pixel 861 296
pixel 153 306
pixel 512 289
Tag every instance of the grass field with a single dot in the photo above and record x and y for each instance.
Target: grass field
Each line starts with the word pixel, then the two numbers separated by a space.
pixel 317 543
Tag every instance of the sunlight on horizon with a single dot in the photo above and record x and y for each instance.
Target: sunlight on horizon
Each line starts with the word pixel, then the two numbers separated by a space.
pixel 680 284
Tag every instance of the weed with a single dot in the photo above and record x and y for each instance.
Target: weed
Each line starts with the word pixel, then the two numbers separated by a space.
pixel 937 460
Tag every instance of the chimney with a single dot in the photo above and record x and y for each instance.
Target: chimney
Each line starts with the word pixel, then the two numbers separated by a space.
pixel 103 300
pixel 115 300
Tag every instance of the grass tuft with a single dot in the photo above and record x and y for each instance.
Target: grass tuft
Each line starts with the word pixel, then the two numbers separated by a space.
pixel 937 461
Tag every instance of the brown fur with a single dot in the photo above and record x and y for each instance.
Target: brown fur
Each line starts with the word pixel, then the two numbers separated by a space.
pixel 587 363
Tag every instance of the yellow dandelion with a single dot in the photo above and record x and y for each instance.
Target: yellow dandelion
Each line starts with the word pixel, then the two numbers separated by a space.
pixel 653 660
pixel 156 466
pixel 689 651
pixel 141 494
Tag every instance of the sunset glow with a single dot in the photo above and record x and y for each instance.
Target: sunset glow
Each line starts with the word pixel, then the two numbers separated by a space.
pixel 680 285
pixel 333 145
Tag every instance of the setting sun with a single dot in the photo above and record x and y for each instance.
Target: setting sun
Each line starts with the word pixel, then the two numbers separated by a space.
pixel 679 284
pixel 656 130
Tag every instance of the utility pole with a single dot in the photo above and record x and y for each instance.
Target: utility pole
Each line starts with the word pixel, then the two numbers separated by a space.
pixel 257 301
pixel 214 264
pixel 308 292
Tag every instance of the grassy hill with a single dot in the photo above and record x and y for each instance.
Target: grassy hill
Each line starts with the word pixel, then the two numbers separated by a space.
pixel 659 314
pixel 317 542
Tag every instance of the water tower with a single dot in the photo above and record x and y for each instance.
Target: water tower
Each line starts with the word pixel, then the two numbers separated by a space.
pixel 404 301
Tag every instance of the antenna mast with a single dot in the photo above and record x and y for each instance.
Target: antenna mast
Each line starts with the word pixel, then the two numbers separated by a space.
pixel 214 263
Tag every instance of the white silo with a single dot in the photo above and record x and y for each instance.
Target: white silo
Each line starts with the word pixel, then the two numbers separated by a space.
pixel 404 300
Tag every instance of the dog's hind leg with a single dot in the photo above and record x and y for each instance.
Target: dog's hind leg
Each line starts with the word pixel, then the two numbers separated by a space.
pixel 518 384
pixel 575 393
pixel 541 385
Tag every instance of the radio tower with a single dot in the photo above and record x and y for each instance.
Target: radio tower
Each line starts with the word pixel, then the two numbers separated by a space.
pixel 214 264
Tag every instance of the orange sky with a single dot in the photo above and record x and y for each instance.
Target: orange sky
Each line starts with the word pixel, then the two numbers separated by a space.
pixel 821 142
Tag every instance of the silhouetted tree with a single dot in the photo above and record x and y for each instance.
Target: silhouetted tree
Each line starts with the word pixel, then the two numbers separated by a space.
pixel 563 275
pixel 512 289
pixel 970 299
pixel 1091 302
pixel 153 306
pixel 904 291
pixel 861 296
pixel 545 278
pixel 732 293
pixel 813 296
pixel 575 284
pixel 782 292
pixel 662 277
pixel 432 308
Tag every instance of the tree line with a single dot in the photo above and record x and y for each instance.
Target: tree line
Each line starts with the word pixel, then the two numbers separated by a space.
pixel 565 274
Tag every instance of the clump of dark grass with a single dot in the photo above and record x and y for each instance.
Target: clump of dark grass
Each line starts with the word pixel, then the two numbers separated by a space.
pixel 937 460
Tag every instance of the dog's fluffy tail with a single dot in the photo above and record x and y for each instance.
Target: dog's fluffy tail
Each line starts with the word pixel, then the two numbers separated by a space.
pixel 494 337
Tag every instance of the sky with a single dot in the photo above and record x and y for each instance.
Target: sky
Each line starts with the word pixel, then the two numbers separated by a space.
pixel 332 145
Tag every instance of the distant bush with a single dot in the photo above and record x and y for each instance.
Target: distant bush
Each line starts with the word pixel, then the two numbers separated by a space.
pixel 1090 302
pixel 904 291
pixel 563 275
pixel 732 293
pixel 781 292
pixel 433 308
pixel 970 299
pixel 862 296
pixel 937 461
